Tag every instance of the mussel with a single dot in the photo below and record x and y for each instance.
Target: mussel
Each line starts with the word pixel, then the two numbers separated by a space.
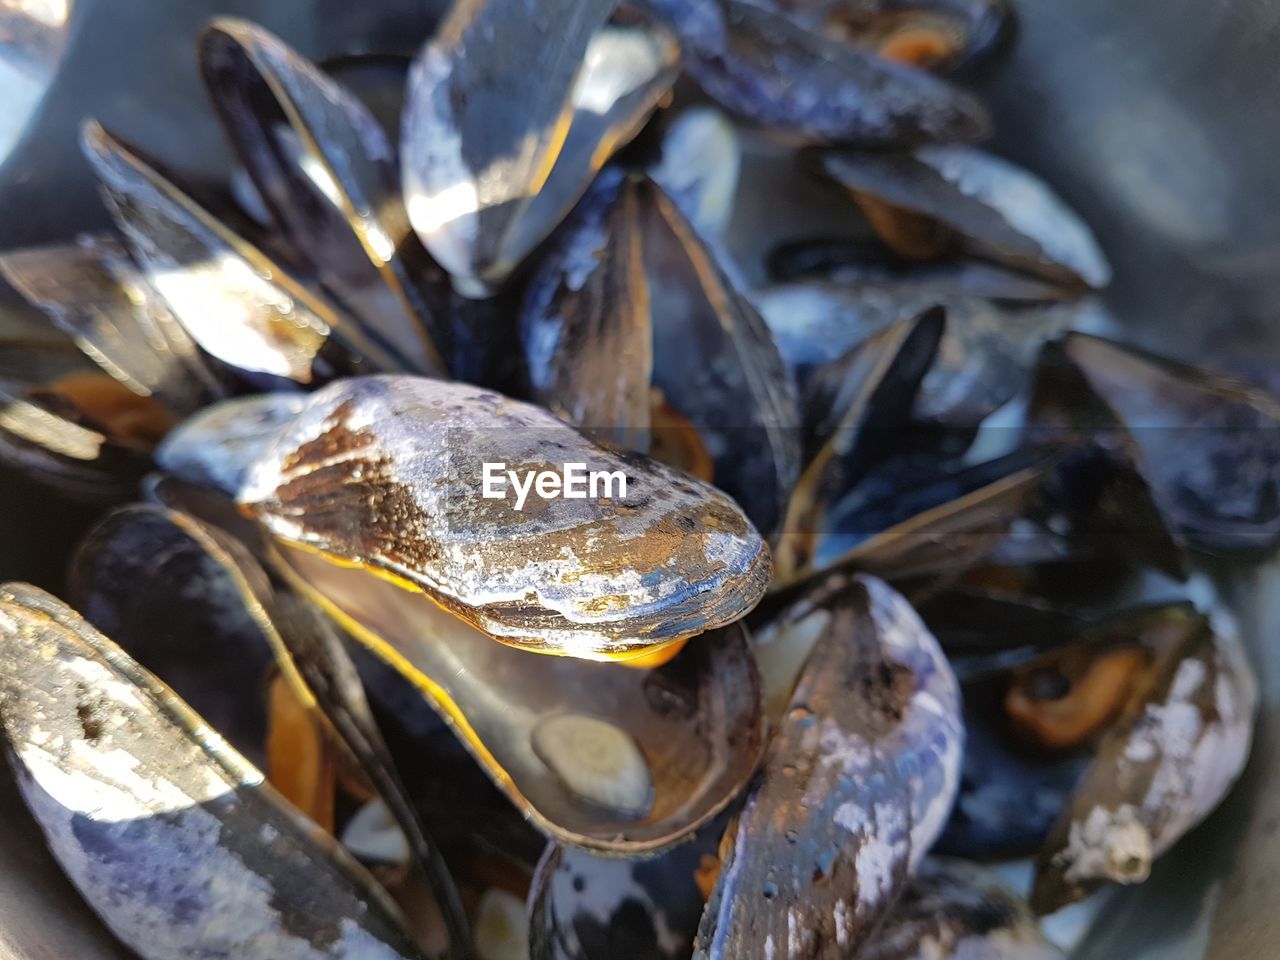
pixel 1161 769
pixel 168 833
pixel 94 293
pixel 327 174
pixel 598 756
pixel 942 197
pixel 854 789
pixel 1205 443
pixel 492 161
pixel 803 86
pixel 387 473
pixel 631 297
pixel 210 277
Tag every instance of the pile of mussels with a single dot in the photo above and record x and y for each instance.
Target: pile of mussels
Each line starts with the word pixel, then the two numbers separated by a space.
pixel 840 639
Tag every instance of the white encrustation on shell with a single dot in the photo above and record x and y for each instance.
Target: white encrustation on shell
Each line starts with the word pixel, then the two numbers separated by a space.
pixel 858 782
pixel 1160 771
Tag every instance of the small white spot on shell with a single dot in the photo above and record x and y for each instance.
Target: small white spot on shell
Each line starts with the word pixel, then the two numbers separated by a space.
pixel 596 760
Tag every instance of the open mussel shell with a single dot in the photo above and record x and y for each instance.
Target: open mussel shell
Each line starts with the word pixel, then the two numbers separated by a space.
pixel 1208 444
pixel 856 785
pixel 854 408
pixel 327 173
pixel 586 324
pixel 494 160
pixel 952 910
pixel 984 359
pixel 92 291
pixel 598 756
pixel 155 578
pixel 716 363
pixel 387 473
pixel 631 286
pixel 213 280
pixel 71 426
pixel 937 35
pixel 939 198
pixel 833 93
pixel 935 529
pixel 168 833
pixel 1100 493
pixel 1161 768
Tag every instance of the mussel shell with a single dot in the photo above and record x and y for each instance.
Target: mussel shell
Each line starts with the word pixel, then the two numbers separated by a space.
pixel 166 587
pixel 51 439
pixel 858 261
pixel 169 834
pixel 386 472
pixel 585 320
pixel 627 71
pixel 218 446
pixel 494 159
pixel 1100 490
pixel 583 907
pixel 1210 444
pixel 92 291
pixel 715 362
pixel 630 286
pixel 332 187
pixel 856 785
pixel 854 408
pixel 1160 770
pixel 984 360
pixel 936 530
pixel 213 280
pixel 764 69
pixel 695 720
pixel 952 911
pixel 998 209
